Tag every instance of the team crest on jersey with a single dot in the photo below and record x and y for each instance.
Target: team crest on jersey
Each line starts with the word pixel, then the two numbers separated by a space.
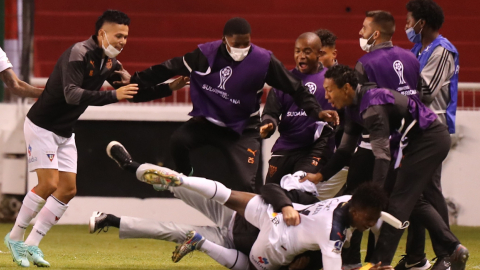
pixel 337 248
pixel 109 63
pixel 312 87
pixel 50 156
pixel 398 67
pixel 225 74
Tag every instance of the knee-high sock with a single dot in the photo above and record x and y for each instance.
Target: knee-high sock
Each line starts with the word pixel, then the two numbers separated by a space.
pixel 48 216
pixel 32 204
pixel 210 189
pixel 230 258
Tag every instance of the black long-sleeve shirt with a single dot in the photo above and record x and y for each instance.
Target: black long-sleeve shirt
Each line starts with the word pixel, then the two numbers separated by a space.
pixel 277 76
pixel 74 85
pixel 278 197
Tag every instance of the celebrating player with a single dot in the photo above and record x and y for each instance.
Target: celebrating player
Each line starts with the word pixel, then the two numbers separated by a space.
pixel 72 87
pixel 226 81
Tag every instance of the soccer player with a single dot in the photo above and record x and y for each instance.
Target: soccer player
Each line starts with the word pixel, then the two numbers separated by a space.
pixel 439 82
pixel 73 85
pixel 227 77
pixel 383 113
pixel 232 230
pixel 322 225
pixel 16 86
pixel 304 144
pixel 328 53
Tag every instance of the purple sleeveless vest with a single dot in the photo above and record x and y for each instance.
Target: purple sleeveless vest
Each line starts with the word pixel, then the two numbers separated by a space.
pixel 394 68
pixel 297 130
pixel 229 92
pixel 381 96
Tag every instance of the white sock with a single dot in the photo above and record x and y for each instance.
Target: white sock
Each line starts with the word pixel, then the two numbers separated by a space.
pixel 49 216
pixel 32 204
pixel 230 258
pixel 209 189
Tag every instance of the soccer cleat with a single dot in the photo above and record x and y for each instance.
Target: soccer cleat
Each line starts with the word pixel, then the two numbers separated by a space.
pixel 98 222
pixel 162 176
pixel 194 241
pixel 35 255
pixel 18 249
pixel 420 265
pixel 160 187
pixel 442 263
pixel 117 152
pixel 459 258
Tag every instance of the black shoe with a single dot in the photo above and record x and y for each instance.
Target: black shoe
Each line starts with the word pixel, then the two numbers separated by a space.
pixel 100 221
pixel 404 264
pixel 117 152
pixel 459 258
pixel 442 263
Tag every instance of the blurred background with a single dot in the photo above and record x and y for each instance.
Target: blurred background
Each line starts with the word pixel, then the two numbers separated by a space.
pixel 35 33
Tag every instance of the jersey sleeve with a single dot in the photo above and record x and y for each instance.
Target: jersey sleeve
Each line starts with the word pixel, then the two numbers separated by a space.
pixel 331 250
pixel 4 62
pixel 73 70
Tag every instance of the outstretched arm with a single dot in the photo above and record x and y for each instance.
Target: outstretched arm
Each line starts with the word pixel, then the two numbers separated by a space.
pixel 17 86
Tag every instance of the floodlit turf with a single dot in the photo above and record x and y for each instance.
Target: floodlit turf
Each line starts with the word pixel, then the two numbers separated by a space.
pixel 72 247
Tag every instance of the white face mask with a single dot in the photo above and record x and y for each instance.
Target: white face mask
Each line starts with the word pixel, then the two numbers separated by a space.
pixel 364 43
pixel 110 51
pixel 237 54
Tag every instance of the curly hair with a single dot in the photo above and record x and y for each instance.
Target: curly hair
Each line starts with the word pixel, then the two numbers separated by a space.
pixel 369 196
pixel 427 10
pixel 111 16
pixel 342 75
pixel 328 38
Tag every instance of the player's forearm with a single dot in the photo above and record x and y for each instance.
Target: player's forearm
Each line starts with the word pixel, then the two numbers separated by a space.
pixel 24 89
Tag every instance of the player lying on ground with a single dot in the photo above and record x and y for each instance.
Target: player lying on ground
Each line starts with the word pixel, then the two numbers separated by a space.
pixel 232 232
pixel 278 243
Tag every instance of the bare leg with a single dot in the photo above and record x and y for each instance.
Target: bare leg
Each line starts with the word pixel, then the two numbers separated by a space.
pixel 238 201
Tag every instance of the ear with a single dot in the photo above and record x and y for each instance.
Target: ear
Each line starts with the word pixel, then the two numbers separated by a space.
pixel 224 41
pixel 335 53
pixel 422 23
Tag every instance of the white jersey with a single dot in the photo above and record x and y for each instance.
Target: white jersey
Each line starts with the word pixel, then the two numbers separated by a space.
pixel 323 226
pixel 4 62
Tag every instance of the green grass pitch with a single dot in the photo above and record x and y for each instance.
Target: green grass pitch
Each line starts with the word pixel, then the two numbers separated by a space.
pixel 72 247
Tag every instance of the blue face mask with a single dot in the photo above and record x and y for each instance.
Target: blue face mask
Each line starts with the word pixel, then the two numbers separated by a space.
pixel 415 38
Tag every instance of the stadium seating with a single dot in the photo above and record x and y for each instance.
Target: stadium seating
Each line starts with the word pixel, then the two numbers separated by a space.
pixel 163 29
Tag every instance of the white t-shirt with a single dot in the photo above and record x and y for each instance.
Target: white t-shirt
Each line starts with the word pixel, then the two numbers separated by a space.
pixel 278 244
pixel 4 62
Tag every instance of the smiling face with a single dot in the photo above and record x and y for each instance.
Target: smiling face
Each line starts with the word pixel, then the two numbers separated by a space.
pixel 306 54
pixel 116 34
pixel 338 97
pixel 363 219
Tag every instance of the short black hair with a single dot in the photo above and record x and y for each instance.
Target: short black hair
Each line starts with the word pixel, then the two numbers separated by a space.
pixel 236 26
pixel 427 10
pixel 327 37
pixel 369 196
pixel 111 16
pixel 384 20
pixel 342 75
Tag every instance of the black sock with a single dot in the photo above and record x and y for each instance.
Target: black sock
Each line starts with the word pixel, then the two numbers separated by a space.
pixel 132 167
pixel 113 221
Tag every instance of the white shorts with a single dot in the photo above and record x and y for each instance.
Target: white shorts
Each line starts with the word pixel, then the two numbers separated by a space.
pixel 47 150
pixel 263 255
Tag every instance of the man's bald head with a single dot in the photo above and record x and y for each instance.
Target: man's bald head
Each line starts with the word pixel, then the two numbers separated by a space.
pixel 312 39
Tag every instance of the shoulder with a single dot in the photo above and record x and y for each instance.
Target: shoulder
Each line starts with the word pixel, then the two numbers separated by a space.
pixel 78 52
